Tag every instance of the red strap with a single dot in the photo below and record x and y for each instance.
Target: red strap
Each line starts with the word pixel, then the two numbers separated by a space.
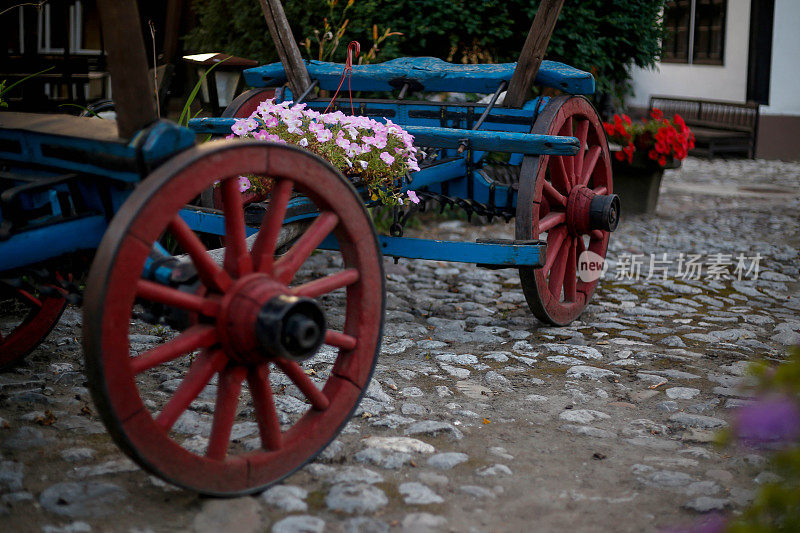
pixel 353 49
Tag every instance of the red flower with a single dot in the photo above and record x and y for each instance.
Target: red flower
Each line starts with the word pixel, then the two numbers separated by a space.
pixel 662 161
pixel 619 155
pixel 652 154
pixel 656 114
pixel 627 119
pixel 629 152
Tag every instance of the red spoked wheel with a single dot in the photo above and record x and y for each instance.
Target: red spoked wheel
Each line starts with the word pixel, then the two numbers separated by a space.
pixel 25 322
pixel 567 201
pixel 254 319
pixel 246 103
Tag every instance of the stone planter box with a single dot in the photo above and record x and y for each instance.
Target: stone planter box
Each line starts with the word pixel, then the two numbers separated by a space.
pixel 638 183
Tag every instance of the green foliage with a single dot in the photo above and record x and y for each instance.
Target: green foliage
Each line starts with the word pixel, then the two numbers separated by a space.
pixel 604 37
pixel 777 505
pixel 4 89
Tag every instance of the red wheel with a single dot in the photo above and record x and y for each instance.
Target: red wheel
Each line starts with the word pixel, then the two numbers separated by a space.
pixel 251 318
pixel 568 201
pixel 246 103
pixel 19 336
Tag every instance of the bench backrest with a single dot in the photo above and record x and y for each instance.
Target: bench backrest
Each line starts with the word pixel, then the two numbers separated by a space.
pixel 718 114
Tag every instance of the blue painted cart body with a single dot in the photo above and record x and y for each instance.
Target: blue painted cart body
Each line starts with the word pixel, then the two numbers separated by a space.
pixel 65 177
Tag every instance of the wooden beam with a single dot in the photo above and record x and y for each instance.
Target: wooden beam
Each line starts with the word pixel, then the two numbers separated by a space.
pixel 288 51
pixel 532 53
pixel 131 84
pixel 172 26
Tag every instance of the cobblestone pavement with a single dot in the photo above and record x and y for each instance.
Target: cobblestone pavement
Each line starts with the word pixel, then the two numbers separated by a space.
pixel 479 418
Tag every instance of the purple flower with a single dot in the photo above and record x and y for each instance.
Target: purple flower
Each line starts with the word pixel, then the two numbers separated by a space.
pixel 244 183
pixel 413 196
pixel 386 158
pixel 712 524
pixel 774 419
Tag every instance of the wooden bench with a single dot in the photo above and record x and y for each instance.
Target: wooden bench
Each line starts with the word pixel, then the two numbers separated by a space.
pixel 719 127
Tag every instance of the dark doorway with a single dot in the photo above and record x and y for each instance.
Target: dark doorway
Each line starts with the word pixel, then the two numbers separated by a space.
pixel 760 54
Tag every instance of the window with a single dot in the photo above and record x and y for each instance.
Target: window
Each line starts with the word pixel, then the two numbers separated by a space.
pixel 76 23
pixel 695 31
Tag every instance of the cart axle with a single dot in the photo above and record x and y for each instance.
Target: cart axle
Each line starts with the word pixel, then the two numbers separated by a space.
pixel 291 327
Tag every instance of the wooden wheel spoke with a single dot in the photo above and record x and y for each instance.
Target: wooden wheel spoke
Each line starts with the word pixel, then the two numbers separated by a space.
pixel 552 220
pixel 295 372
pixel 553 195
pixel 600 190
pixel 288 265
pixel 581 246
pixel 229 389
pixel 269 428
pixel 554 240
pixel 321 286
pixel 558 175
pixel 30 299
pixel 264 247
pixel 237 258
pixel 592 156
pixel 197 336
pixel 200 373
pixel 156 292
pixel 569 160
pixel 583 134
pixel 556 281
pixel 570 275
pixel 209 272
pixel 340 340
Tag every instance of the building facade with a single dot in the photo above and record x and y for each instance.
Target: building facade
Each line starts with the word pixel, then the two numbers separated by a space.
pixel 734 50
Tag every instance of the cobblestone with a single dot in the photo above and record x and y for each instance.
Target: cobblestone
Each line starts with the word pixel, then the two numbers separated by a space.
pixel 608 421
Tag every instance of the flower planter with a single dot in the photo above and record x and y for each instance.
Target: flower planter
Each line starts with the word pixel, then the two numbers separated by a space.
pixel 638 183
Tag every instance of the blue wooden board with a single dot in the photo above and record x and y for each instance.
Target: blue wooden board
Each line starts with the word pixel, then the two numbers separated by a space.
pixel 510 254
pixel 497 141
pixel 52 240
pixel 431 73
pixel 87 145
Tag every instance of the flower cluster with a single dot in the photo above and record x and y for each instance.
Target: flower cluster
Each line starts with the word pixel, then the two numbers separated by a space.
pixel 662 139
pixel 378 154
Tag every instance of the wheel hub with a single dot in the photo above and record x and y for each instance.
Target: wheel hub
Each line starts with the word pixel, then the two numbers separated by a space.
pixel 260 320
pixel 588 211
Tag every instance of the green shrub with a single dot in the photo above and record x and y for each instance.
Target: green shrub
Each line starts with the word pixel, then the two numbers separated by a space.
pixel 604 37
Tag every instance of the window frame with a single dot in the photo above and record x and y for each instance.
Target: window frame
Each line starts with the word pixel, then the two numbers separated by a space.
pixel 691 30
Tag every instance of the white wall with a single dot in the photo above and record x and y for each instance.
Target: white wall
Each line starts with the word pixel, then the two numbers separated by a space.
pixel 784 86
pixel 716 82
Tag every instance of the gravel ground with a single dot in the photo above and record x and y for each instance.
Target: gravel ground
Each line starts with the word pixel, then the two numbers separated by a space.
pixel 480 418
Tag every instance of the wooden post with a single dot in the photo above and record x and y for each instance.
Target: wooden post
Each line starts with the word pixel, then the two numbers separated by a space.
pixel 288 51
pixel 131 84
pixel 532 52
pixel 172 26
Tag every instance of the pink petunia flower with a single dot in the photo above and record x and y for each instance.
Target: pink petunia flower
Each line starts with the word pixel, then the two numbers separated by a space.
pixel 412 196
pixel 239 128
pixel 386 158
pixel 244 183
